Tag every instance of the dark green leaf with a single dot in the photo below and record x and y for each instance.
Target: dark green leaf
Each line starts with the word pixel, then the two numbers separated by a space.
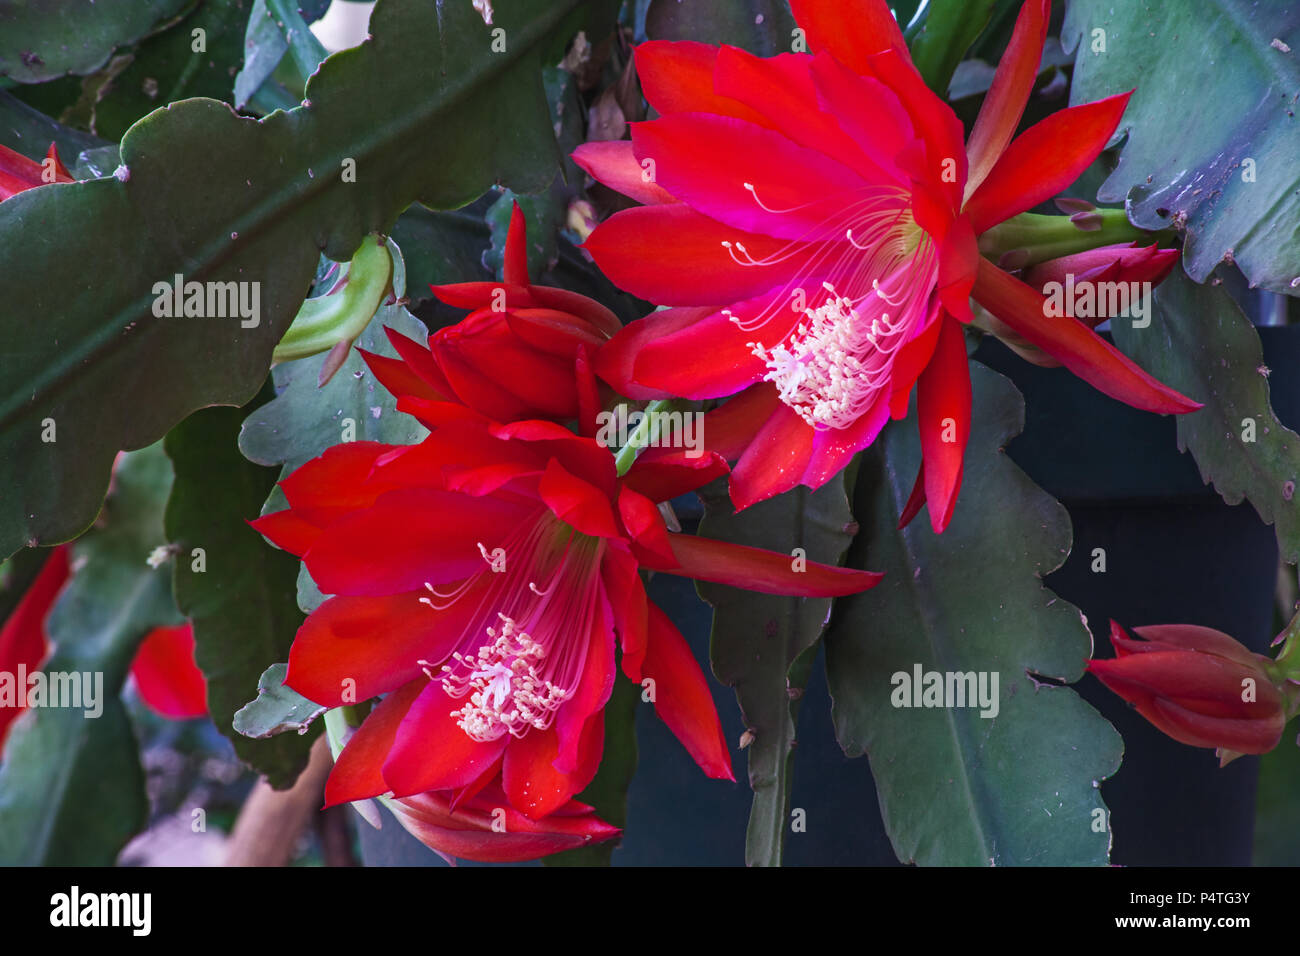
pixel 1277 839
pixel 763 644
pixel 441 248
pixel 30 132
pixel 1200 343
pixel 166 68
pixel 763 27
pixel 39 41
pixel 956 788
pixel 950 27
pixel 265 46
pixel 1189 142
pixel 214 197
pixel 237 590
pixel 71 786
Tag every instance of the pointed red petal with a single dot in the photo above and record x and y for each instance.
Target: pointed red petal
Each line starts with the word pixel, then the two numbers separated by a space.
pixel 943 417
pixel 1005 102
pixel 166 675
pixel 1045 159
pixel 532 782
pixel 358 771
pixel 850 30
pixel 1073 344
pixel 682 697
pixel 613 163
pixel 754 569
pixel 958 259
pixel 915 501
pixel 516 255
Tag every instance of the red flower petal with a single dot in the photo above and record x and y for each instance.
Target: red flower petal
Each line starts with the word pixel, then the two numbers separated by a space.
pixel 516 252
pixel 707 161
pixel 616 358
pixel 1073 344
pixel 678 77
pixel 416 763
pixel 1012 83
pixel 620 574
pixel 682 697
pixel 866 110
pixel 774 460
pixel 23 641
pixel 409 537
pixel 662 474
pixel 353 648
pixel 781 88
pixel 754 569
pixel 673 255
pixel 943 418
pixel 1045 159
pixel 358 771
pixel 532 782
pixel 613 163
pixel 851 30
pixel 958 261
pixel 166 675
pixel 577 502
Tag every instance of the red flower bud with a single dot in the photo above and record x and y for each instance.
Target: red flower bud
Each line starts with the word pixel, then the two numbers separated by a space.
pixel 488 829
pixel 1116 263
pixel 1197 685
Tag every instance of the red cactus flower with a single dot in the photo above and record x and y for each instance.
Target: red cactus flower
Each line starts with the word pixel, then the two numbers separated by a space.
pixel 18 173
pixel 513 357
pixel 813 220
pixel 167 676
pixel 1197 685
pixel 480 579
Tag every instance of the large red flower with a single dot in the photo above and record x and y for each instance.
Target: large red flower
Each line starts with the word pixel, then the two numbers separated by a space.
pixel 522 352
pixel 480 579
pixel 812 218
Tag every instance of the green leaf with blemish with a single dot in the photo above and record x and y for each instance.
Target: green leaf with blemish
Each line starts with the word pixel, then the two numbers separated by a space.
pixel 956 788
pixel 1200 343
pixel 43 40
pixel 1218 158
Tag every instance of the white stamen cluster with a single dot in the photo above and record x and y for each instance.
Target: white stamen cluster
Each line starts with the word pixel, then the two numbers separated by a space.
pixel 820 369
pixel 507 692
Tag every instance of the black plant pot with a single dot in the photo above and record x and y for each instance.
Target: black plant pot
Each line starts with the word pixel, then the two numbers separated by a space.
pixel 1174 553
